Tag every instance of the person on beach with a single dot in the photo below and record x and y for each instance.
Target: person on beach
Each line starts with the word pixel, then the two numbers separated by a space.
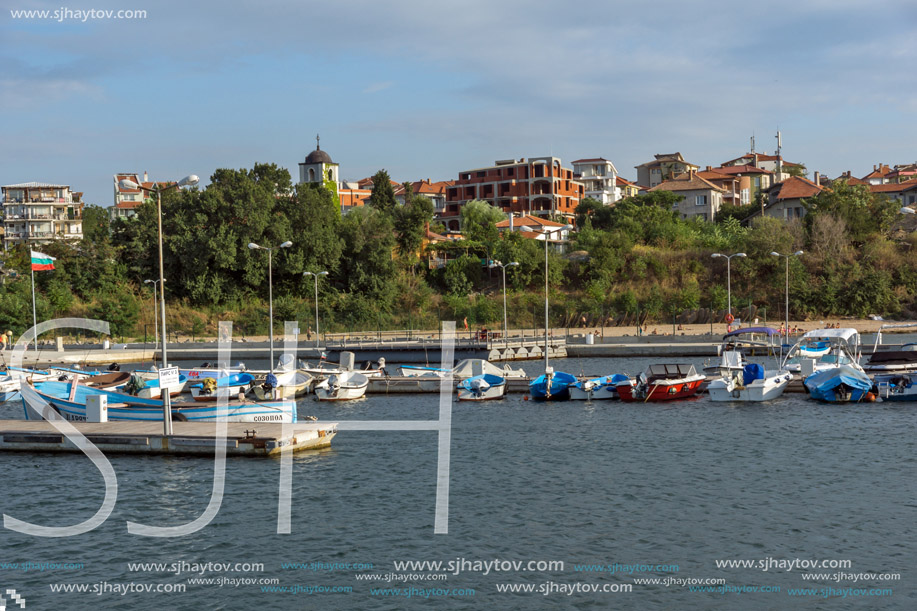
pixel 309 334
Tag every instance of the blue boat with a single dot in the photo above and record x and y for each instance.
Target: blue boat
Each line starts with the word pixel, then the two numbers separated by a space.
pixel 842 384
pixel 206 390
pixel 552 386
pixel 897 386
pixel 70 403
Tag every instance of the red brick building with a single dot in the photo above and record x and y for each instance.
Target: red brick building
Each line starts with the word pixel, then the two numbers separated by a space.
pixel 538 186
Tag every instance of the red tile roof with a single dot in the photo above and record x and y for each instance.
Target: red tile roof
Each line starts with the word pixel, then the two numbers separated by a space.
pixel 529 221
pixel 589 160
pixel 795 187
pixel 687 182
pixel 894 187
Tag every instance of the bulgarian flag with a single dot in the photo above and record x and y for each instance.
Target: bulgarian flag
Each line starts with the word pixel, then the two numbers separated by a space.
pixel 41 261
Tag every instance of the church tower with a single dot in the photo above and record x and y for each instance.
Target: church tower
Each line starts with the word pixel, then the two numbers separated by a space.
pixel 319 168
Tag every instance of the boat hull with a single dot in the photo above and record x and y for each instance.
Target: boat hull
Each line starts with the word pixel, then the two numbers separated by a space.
pixel 233 411
pixel 901 387
pixel 662 391
pixel 767 389
pixel 481 388
pixel 557 390
pixel 840 385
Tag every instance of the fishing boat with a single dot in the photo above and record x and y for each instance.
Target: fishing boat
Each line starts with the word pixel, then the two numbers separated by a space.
pixel 662 383
pixel 482 388
pixel 738 344
pixel 552 385
pixel 69 400
pixel 282 385
pixel 11 381
pixel 342 386
pixel 754 383
pixel 842 384
pixel 605 387
pixel 210 370
pixel 108 381
pixel 326 368
pixel 897 386
pixel 235 384
pixel 843 347
pixel 146 384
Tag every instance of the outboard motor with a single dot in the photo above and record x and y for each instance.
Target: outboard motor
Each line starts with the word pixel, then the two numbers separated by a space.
pixel 114 367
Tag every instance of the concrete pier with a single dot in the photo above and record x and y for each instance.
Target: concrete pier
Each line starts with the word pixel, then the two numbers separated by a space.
pixel 199 438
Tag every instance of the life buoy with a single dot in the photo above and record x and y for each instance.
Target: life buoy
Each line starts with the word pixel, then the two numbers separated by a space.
pixel 730 318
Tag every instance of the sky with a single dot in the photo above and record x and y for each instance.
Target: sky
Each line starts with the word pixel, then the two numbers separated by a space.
pixel 427 89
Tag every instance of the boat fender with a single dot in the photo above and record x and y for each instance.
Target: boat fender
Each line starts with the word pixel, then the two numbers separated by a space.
pixel 179 417
pixel 869 397
pixel 736 393
pixel 209 385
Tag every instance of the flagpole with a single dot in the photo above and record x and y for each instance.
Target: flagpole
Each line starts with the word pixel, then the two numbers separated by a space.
pixel 34 317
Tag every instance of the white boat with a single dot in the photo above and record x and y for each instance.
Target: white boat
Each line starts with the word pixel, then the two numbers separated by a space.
pixel 843 347
pixel 738 344
pixel 754 383
pixel 466 368
pixel 342 386
pixel 284 385
pixel 207 370
pixel 605 387
pixel 149 385
pixel 482 388
pixel 903 359
pixel 337 369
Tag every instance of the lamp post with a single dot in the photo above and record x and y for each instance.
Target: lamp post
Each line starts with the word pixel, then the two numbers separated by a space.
pixel 547 231
pixel 187 181
pixel 786 312
pixel 503 268
pixel 315 275
pixel 270 291
pixel 155 314
pixel 728 278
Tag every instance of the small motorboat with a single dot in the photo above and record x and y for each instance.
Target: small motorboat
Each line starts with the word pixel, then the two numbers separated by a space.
pixel 552 386
pixel 235 384
pixel 753 384
pixel 662 383
pixel 605 387
pixel 844 384
pixel 740 343
pixel 897 386
pixel 108 381
pixel 481 388
pixel 342 386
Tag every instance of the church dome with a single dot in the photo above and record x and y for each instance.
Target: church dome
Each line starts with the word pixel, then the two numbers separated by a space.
pixel 318 156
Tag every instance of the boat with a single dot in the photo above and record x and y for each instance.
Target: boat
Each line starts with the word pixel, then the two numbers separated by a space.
pixel 605 387
pixel 342 386
pixel 738 344
pixel 108 381
pixel 11 381
pixel 9 388
pixel 843 347
pixel 346 365
pixel 463 369
pixel 842 384
pixel 754 383
pixel 146 384
pixel 69 400
pixel 892 361
pixel 552 385
pixel 236 383
pixel 667 382
pixel 210 370
pixel 283 385
pixel 897 386
pixel 482 387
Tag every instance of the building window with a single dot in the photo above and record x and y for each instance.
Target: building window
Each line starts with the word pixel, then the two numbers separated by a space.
pixel 700 200
pixel 746 198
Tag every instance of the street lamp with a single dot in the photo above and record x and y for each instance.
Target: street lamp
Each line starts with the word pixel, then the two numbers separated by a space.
pixel 270 290
pixel 187 181
pixel 786 312
pixel 315 275
pixel 155 315
pixel 546 231
pixel 503 267
pixel 728 278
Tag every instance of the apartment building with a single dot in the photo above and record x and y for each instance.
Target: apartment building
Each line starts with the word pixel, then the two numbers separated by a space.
pixel 538 186
pixel 665 166
pixel 599 177
pixel 37 212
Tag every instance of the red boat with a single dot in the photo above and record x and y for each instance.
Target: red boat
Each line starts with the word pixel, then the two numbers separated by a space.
pixel 662 383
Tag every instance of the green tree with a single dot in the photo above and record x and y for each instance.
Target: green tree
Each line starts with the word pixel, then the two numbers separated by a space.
pixel 411 221
pixel 367 266
pixel 383 197
pixel 96 225
pixel 479 221
pixel 864 212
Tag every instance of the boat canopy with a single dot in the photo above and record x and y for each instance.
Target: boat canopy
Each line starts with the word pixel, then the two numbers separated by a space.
pixel 668 371
pixel 844 334
pixel 765 330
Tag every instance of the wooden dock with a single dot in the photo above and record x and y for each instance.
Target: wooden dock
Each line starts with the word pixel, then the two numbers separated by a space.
pixel 198 438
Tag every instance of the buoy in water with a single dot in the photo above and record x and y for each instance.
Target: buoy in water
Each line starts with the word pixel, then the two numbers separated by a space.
pixel 525 397
pixel 869 397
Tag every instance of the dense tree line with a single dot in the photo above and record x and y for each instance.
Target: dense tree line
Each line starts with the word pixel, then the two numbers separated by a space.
pixel 637 256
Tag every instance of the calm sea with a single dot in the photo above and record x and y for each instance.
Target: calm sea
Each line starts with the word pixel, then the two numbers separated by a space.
pixel 582 504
